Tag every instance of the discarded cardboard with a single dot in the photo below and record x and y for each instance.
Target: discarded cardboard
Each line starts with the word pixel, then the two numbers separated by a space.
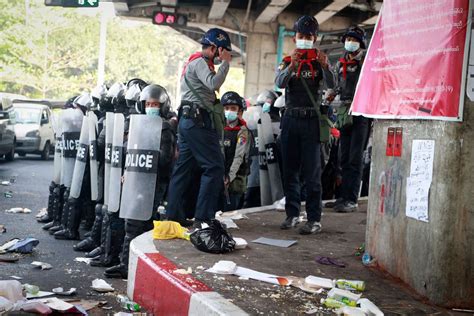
pixel 275 242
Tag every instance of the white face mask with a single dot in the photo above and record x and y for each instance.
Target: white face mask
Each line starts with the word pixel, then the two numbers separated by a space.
pixel 351 46
pixel 304 44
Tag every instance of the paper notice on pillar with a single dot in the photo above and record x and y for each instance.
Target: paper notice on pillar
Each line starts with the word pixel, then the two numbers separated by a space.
pixel 422 157
pixel 419 182
pixel 417 198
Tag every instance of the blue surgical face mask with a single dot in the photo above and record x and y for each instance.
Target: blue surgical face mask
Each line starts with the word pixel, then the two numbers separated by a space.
pixel 304 44
pixel 231 115
pixel 152 111
pixel 351 46
pixel 266 107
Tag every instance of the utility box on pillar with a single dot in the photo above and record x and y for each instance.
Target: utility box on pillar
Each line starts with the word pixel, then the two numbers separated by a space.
pixel 420 221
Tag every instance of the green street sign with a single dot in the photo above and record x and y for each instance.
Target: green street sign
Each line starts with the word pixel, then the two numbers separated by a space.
pixel 73 3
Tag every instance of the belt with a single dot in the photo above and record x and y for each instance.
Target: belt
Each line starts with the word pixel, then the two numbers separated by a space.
pixel 302 112
pixel 190 110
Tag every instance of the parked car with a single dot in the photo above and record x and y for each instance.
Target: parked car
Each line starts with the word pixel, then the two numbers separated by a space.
pixel 34 128
pixel 7 125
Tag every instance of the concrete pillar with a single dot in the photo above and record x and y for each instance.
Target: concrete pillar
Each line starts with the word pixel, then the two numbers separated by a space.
pixel 260 64
pixel 435 258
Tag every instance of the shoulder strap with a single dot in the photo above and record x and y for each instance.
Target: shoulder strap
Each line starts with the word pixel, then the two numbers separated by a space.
pixel 194 92
pixel 311 97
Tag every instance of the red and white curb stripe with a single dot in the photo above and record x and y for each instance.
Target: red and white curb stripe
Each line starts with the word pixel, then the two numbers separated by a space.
pixel 152 284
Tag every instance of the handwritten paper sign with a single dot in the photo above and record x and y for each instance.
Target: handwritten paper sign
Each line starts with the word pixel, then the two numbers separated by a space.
pixel 419 182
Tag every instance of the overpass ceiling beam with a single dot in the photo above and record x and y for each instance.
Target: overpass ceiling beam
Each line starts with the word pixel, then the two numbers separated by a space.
pixel 331 10
pixel 218 9
pixel 272 10
pixel 169 3
pixel 373 20
pixel 120 6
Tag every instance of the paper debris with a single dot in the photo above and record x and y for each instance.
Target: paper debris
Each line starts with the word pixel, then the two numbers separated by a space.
pixel 101 286
pixel 223 267
pixel 16 210
pixel 42 212
pixel 16 277
pixel 39 294
pixel 83 259
pixel 240 243
pixel 275 242
pixel 42 265
pixel 5 183
pixel 183 271
pixel 60 291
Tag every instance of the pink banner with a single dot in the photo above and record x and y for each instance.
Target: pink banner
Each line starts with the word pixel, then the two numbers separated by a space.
pixel 415 65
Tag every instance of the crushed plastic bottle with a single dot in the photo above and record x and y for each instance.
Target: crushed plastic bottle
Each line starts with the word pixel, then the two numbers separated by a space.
pixel 350 285
pixel 332 303
pixel 367 258
pixel 32 289
pixel 127 304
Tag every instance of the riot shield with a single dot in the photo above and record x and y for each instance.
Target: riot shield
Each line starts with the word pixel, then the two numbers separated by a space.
pixel 141 167
pixel 109 133
pixel 57 149
pixel 274 176
pixel 251 116
pixel 82 157
pixel 94 165
pixel 265 190
pixel 115 183
pixel 71 123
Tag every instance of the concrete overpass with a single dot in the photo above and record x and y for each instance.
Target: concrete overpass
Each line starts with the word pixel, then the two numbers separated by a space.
pixel 260 29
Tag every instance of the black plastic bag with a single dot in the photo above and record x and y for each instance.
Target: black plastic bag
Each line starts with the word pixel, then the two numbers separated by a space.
pixel 213 239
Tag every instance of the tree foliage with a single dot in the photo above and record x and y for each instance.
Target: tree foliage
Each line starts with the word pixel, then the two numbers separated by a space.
pixel 51 52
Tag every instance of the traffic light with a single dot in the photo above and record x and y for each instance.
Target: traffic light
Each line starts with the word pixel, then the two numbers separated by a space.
pixel 165 18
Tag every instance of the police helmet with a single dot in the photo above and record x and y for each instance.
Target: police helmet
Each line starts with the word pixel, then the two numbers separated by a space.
pixel 358 33
pixel 116 95
pixel 98 95
pixel 157 92
pixel 306 24
pixel 132 96
pixel 267 96
pixel 218 38
pixel 70 102
pixel 280 102
pixel 233 98
pixel 83 102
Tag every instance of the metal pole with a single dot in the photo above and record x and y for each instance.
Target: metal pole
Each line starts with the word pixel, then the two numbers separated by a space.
pixel 102 47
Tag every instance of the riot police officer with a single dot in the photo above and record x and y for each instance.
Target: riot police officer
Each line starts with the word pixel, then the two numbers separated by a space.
pixel 155 103
pixel 201 127
pixel 354 129
pixel 303 75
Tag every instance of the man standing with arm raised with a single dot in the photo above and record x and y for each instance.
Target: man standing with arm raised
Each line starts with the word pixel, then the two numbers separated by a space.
pixel 201 123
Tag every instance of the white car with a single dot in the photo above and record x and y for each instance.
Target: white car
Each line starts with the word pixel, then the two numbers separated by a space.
pixel 34 128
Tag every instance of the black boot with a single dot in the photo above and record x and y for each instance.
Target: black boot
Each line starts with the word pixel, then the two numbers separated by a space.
pixel 71 230
pixel 133 228
pixel 92 241
pixel 114 241
pixel 88 215
pixel 60 210
pixel 99 251
pixel 49 216
pixel 55 208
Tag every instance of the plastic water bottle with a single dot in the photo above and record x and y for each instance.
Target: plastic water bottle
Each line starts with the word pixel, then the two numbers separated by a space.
pixel 128 304
pixel 32 289
pixel 366 258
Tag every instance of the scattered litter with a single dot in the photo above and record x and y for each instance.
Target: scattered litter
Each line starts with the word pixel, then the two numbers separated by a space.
pixel 42 265
pixel 330 261
pixel 360 250
pixel 223 267
pixel 300 283
pixel 31 289
pixel 351 285
pixel 107 307
pixel 332 303
pixel 83 259
pixel 240 243
pixel 16 210
pixel 275 242
pixel 25 245
pixel 16 277
pixel 169 230
pixel 183 271
pixel 101 286
pixel 234 215
pixel 12 290
pixel 123 314
pixel 244 278
pixel 346 297
pixel 33 306
pixel 42 212
pixel 8 244
pixel 463 310
pixel 60 291
pixel 227 222
pixel 350 311
pixel 214 239
pixel 57 304
pixel 275 296
pixel 8 194
pixel 5 183
pixel 2 229
pixel 127 304
pixel 370 308
pixel 200 268
pixel 7 258
pixel 317 282
pixel 38 294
